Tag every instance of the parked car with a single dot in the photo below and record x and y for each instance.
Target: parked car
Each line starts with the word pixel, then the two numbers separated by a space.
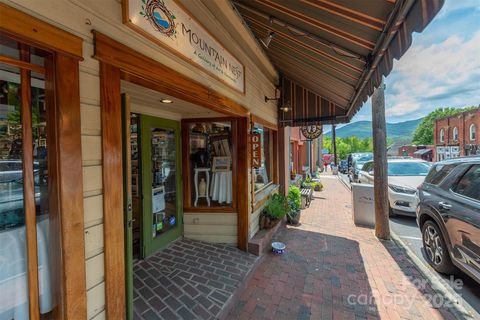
pixel 448 215
pixel 343 166
pixel 404 176
pixel 358 160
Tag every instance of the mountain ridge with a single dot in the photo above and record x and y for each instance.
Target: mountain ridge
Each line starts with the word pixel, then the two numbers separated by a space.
pixel 363 129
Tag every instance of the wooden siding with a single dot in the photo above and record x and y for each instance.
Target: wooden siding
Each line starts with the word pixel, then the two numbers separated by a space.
pixel 212 227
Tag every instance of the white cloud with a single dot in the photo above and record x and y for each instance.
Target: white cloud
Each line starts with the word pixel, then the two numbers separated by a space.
pixel 442 74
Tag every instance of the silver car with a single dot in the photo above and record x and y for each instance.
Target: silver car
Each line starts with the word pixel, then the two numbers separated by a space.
pixel 404 177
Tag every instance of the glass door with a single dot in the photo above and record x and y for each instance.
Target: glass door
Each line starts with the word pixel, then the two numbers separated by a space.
pixel 161 182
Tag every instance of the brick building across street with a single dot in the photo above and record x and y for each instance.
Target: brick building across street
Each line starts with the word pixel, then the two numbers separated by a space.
pixel 457 136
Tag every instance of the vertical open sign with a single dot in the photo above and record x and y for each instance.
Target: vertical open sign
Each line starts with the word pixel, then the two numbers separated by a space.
pixel 256 150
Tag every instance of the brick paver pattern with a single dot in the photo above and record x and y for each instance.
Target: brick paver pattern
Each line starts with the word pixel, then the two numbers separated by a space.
pixel 334 270
pixel 189 280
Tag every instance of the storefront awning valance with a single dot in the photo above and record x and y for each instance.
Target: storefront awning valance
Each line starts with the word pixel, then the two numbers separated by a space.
pixel 335 50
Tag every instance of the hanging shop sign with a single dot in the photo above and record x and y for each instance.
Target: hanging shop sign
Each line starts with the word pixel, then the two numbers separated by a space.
pixel 312 131
pixel 169 24
pixel 256 150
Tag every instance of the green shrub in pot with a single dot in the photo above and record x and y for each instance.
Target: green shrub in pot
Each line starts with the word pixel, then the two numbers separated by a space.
pixel 294 202
pixel 276 206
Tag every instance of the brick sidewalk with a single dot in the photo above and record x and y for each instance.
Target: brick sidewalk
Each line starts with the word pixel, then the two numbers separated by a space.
pixel 334 270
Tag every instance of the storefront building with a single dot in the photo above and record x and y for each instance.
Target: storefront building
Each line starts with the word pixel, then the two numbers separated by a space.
pixel 140 115
pixel 457 136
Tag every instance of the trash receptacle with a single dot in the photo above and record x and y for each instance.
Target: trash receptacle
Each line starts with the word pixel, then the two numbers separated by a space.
pixel 334 170
pixel 363 205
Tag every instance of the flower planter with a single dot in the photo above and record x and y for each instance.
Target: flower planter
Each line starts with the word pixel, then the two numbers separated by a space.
pixel 267 222
pixel 294 219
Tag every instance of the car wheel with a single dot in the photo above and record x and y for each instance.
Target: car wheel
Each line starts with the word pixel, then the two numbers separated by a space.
pixel 436 249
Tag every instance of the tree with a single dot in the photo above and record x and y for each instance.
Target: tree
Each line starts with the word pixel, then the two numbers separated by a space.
pixel 423 135
pixel 348 145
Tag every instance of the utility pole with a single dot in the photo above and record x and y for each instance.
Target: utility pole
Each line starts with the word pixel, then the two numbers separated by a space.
pixel 380 178
pixel 334 142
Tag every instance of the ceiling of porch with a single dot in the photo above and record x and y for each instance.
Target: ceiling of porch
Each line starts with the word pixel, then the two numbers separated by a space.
pixel 337 50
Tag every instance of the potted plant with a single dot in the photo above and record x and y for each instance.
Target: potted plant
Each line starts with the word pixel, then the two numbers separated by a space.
pixel 317 186
pixel 294 201
pixel 275 209
pixel 293 175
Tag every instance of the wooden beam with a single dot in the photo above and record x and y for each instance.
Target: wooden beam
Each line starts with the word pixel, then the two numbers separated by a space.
pixel 139 66
pixel 263 122
pixel 70 172
pixel 243 157
pixel 347 13
pixel 319 24
pixel 22 64
pixel 334 142
pixel 113 230
pixel 283 159
pixel 39 33
pixel 380 177
pixel 29 187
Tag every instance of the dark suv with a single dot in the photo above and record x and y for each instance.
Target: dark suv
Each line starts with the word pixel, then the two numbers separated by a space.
pixel 448 214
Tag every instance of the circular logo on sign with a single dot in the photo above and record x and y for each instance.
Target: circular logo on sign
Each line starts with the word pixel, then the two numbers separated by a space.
pixel 312 131
pixel 162 19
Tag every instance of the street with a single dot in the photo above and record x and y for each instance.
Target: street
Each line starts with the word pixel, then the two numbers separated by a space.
pixel 407 230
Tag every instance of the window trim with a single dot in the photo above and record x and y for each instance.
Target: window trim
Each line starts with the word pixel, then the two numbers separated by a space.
pixel 62 88
pixel 442 135
pixel 473 132
pixel 187 180
pixel 455 134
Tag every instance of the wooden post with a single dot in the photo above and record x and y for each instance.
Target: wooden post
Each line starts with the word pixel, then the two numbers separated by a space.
pixel 380 178
pixel 283 159
pixel 334 143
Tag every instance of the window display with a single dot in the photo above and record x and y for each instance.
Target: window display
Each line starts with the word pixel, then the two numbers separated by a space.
pixel 210 163
pixel 262 176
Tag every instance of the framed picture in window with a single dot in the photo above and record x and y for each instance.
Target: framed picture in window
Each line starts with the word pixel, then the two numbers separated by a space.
pixel 221 164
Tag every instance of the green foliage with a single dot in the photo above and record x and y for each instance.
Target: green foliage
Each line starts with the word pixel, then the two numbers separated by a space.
pixel 423 135
pixel 349 145
pixel 276 206
pixel 317 186
pixel 294 200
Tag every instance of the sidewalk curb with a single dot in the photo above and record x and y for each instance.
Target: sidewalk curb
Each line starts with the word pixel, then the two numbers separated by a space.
pixel 457 308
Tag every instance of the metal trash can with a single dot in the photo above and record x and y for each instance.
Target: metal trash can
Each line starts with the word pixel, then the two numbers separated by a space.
pixel 363 205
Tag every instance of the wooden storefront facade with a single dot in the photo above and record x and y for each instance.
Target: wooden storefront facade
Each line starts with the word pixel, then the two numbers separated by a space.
pixel 95 60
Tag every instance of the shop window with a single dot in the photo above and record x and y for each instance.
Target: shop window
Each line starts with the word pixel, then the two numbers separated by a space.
pixel 25 178
pixel 210 171
pixel 473 133
pixel 442 135
pixel 455 134
pixel 262 176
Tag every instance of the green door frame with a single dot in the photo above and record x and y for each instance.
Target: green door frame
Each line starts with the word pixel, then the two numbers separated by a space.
pixel 151 244
pixel 127 205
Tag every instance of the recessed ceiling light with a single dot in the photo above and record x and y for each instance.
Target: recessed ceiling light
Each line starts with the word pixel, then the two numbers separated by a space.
pixel 166 101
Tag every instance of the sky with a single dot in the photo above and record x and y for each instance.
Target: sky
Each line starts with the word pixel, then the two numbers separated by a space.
pixel 440 69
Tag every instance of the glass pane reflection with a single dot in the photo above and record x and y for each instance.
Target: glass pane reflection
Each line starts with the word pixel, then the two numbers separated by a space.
pixel 164 199
pixel 13 271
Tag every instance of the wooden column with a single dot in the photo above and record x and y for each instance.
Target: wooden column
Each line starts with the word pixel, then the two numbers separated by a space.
pixel 380 178
pixel 283 159
pixel 334 143
pixel 242 181
pixel 111 115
